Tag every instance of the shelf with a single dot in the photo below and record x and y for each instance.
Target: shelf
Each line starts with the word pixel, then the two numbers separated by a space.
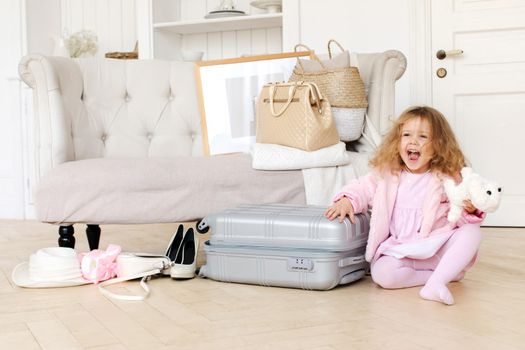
pixel 222 24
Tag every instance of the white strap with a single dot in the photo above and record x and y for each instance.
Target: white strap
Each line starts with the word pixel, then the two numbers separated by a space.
pixel 145 277
pixel 131 266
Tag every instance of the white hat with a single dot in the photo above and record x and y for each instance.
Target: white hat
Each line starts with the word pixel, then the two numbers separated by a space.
pixel 49 267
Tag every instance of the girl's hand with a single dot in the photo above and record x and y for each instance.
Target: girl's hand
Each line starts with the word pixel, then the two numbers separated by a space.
pixel 469 207
pixel 341 208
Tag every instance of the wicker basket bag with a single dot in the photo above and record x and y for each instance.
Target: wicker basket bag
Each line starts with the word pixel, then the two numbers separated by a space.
pixel 341 84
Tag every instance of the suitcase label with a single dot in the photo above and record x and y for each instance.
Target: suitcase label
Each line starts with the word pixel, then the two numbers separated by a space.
pixel 300 264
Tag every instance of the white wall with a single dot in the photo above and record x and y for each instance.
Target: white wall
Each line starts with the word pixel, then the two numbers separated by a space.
pixel 112 20
pixel 29 26
pixel 43 24
pixel 360 26
pixel 11 158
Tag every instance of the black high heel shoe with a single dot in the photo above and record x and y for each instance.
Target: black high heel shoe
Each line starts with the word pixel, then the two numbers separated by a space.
pixel 186 259
pixel 174 246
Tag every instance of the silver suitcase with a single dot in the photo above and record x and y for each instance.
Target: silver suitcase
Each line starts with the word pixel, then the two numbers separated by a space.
pixel 285 246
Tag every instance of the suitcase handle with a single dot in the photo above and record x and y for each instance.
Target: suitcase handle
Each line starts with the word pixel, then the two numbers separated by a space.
pixel 351 260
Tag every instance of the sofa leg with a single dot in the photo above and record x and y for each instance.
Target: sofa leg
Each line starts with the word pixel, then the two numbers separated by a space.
pixel 93 236
pixel 66 238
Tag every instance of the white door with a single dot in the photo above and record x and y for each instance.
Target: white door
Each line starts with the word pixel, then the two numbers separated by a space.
pixel 483 92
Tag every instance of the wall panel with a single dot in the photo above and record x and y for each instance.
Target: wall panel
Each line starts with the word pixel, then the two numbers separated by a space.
pixel 113 21
pixel 12 21
pixel 360 26
pixel 216 45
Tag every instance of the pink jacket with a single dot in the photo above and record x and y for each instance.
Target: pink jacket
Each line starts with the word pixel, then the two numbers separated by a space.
pixel 379 191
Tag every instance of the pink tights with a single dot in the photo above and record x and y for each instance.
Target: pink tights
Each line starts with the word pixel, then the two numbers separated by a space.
pixel 434 273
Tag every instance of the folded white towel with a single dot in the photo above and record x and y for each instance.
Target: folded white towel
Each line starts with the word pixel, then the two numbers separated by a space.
pixel 322 184
pixel 267 156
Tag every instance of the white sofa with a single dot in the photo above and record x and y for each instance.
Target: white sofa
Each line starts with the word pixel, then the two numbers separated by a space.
pixel 119 142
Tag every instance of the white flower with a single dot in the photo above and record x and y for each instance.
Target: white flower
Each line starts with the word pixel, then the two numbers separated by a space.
pixel 82 44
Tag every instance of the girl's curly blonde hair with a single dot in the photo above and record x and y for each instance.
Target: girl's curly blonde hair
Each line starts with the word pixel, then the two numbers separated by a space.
pixel 448 158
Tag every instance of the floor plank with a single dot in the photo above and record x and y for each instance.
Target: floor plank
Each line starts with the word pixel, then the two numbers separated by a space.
pixel 204 314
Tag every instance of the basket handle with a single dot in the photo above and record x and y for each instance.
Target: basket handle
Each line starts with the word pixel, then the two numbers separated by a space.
pixel 312 54
pixel 291 93
pixel 329 49
pixel 301 46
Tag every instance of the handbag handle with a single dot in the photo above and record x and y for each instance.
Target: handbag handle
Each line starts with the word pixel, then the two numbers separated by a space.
pixel 329 49
pixel 316 93
pixel 291 93
pixel 312 54
pixel 144 275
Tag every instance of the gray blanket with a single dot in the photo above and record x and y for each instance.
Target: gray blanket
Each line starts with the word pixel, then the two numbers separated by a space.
pixel 157 190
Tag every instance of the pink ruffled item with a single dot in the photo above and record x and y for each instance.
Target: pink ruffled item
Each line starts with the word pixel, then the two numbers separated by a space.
pixel 100 265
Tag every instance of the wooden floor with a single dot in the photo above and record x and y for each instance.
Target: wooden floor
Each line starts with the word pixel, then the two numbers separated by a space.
pixel 204 314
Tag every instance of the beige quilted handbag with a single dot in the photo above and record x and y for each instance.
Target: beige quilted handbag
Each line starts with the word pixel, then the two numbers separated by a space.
pixel 295 115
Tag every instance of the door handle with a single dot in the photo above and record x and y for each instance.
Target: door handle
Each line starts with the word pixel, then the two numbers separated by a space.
pixel 442 54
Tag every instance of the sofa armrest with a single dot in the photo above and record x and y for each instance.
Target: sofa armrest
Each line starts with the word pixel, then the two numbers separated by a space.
pixel 52 124
pixel 380 71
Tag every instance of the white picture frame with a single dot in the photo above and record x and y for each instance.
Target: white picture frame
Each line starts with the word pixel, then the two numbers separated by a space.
pixel 228 91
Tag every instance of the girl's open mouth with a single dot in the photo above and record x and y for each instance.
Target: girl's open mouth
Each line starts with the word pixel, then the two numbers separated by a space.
pixel 413 155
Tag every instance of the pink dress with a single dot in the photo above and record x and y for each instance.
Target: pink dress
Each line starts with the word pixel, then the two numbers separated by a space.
pixel 407 216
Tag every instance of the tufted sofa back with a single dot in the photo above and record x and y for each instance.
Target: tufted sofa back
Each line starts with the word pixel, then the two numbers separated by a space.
pixel 94 108
pixel 115 108
pixel 132 108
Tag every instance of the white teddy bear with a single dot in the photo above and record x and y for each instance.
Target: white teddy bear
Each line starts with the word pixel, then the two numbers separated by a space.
pixel 485 195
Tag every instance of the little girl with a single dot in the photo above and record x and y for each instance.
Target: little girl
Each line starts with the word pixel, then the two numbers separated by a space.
pixel 410 242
